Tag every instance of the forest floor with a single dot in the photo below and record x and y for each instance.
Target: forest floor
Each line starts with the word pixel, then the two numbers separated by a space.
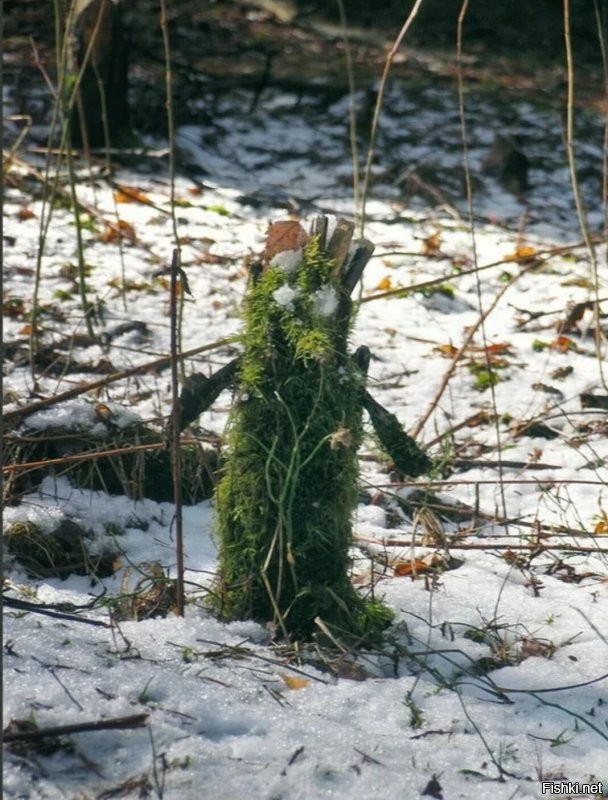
pixel 493 677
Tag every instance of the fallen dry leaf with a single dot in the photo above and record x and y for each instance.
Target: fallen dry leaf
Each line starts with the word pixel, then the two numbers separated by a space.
pixel 431 245
pixel 113 233
pixel 446 350
pixel 129 194
pixel 601 527
pixel 522 253
pixel 413 567
pixel 294 683
pixel 282 236
pixel 563 344
pixel 575 315
pixel 385 284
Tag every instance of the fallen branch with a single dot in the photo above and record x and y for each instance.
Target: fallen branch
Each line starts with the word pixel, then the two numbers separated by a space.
pixel 64 460
pixel 49 611
pixel 117 723
pixel 158 363
pixel 416 287
pixel 199 392
pixel 538 548
pixel 471 463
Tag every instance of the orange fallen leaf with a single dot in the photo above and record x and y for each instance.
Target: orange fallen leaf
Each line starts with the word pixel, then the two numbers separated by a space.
pixel 129 194
pixel 431 245
pixel 522 253
pixel 480 418
pixel 412 568
pixel 104 412
pixel 446 350
pixel 500 348
pixel 601 527
pixel 25 213
pixel 116 231
pixel 495 361
pixel 563 344
pixel 385 284
pixel 294 683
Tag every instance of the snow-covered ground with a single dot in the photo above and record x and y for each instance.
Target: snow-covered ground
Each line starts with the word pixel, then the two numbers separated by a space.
pixel 494 676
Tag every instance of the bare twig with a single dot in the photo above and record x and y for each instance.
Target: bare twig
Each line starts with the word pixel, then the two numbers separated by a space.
pixel 381 90
pixel 117 723
pixel 158 363
pixel 578 200
pixel 37 608
pixel 176 464
pixel 540 254
pixel 74 459
pixel 491 546
pixel 352 117
pixel 456 358
pixel 471 216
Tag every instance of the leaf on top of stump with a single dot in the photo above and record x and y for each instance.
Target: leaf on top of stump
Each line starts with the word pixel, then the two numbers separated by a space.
pixel 283 236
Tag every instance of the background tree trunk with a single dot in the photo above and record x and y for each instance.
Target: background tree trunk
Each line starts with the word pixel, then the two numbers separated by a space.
pixel 100 115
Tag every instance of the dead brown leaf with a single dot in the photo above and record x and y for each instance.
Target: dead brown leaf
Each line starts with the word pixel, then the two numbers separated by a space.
pixel 282 236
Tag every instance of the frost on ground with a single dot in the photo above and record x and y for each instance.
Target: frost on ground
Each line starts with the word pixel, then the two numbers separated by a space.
pixel 493 677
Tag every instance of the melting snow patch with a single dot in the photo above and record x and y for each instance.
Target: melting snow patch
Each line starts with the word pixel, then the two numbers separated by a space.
pixel 325 301
pixel 284 296
pixel 288 260
pixel 78 415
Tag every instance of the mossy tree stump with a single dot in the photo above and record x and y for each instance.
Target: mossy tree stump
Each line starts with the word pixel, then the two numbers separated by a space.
pixel 289 487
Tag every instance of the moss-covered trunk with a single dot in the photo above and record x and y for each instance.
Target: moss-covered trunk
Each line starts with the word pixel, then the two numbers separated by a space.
pixel 289 488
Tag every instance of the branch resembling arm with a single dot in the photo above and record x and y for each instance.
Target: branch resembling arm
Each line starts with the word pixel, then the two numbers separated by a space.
pixel 408 457
pixel 199 392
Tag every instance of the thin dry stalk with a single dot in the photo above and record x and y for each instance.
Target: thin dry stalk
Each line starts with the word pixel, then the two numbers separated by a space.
pixel 538 256
pixel 602 43
pixel 63 461
pixel 352 115
pixel 176 315
pixel 378 108
pixel 458 355
pixel 490 546
pixel 578 200
pixel 448 482
pixel 469 192
pixel 176 464
pixel 164 26
pixel 34 733
pixel 61 111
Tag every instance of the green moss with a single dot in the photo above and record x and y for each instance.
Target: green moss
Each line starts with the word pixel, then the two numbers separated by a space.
pixel 443 289
pixel 289 485
pixel 219 209
pixel 62 294
pixel 485 376
pixel 484 379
